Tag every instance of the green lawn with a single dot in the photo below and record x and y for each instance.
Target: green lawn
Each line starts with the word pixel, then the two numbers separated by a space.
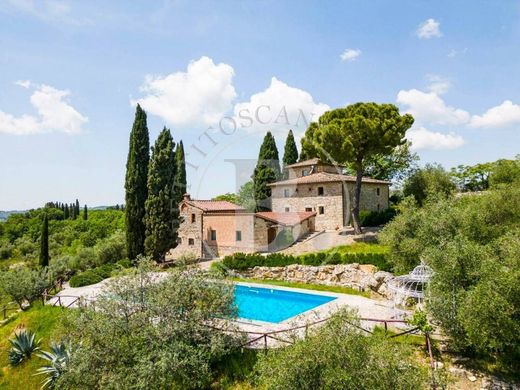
pixel 359 247
pixel 45 321
pixel 308 286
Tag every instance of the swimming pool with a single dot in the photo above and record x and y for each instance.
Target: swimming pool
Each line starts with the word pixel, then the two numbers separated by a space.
pixel 273 305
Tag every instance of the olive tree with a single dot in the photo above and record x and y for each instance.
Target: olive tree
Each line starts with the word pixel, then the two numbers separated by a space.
pixel 352 135
pixel 154 331
pixel 23 285
pixel 339 356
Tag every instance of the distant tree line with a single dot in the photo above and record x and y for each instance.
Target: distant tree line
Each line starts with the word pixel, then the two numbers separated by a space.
pixel 70 210
pixel 154 187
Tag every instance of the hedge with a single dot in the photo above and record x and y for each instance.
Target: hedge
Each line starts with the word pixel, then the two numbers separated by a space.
pixel 376 218
pixel 92 276
pixel 242 261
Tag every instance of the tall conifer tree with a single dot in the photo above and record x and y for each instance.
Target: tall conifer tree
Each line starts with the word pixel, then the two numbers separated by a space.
pixel 290 153
pixel 44 242
pixel 85 213
pixel 161 207
pixel 180 176
pixel 66 213
pixel 267 171
pixel 136 184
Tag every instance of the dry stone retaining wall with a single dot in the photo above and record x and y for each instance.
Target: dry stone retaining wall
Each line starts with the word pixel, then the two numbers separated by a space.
pixel 364 277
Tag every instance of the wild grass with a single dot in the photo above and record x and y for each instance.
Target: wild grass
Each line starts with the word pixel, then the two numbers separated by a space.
pixel 45 322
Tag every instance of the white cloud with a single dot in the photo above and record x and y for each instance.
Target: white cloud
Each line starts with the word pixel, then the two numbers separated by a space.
pixel 23 83
pixel 438 84
pixel 350 55
pixel 278 108
pixel 428 107
pixel 454 53
pixel 422 138
pixel 503 115
pixel 54 114
pixel 201 95
pixel 429 29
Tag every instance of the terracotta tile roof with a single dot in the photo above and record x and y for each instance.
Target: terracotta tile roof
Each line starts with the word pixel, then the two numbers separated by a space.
pixel 312 161
pixel 288 219
pixel 215 205
pixel 325 177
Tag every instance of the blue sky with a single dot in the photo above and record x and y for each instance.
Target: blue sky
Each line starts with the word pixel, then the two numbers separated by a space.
pixel 71 73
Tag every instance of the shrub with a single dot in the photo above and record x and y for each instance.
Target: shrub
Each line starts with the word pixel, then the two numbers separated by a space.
pixel 164 342
pixel 112 249
pixel 85 279
pixel 6 250
pixel 125 263
pixel 339 356
pixel 105 271
pixel 377 218
pixel 23 345
pixel 241 261
pixel 85 258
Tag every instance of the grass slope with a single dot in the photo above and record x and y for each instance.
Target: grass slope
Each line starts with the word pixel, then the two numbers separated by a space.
pixel 45 321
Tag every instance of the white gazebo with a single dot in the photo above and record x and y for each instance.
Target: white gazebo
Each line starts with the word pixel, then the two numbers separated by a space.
pixel 412 285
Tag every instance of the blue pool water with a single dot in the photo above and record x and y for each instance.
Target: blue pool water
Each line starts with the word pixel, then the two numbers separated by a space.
pixel 272 305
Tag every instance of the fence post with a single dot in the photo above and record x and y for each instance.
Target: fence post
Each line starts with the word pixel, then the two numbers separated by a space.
pixel 265 342
pixel 432 362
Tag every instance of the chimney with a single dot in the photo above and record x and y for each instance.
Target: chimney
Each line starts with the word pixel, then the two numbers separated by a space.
pixel 186 196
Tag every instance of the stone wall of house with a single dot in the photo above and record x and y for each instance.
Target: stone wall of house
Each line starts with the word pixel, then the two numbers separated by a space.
pixel 226 226
pixel 189 233
pixel 298 171
pixel 364 277
pixel 305 196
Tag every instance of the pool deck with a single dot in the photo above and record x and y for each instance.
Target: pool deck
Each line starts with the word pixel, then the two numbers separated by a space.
pixel 365 308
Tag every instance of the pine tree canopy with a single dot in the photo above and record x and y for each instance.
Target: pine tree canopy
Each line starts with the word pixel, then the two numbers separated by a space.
pixel 161 207
pixel 136 184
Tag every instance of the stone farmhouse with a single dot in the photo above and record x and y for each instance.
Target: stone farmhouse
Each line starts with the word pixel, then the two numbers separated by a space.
pixel 315 186
pixel 315 197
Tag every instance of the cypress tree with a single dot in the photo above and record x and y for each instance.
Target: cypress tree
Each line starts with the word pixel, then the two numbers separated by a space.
pixel 66 214
pixel 77 208
pixel 160 206
pixel 267 171
pixel 136 184
pixel 290 153
pixel 180 175
pixel 85 213
pixel 72 209
pixel 44 242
